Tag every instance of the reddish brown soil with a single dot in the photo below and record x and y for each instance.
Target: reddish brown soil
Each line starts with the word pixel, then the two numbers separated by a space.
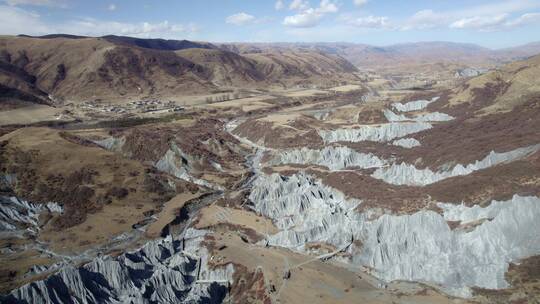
pixel 145 144
pixel 151 142
pixel 481 98
pixel 80 190
pixel 375 193
pixel 371 116
pixel 248 286
pixel 466 141
pixel 500 183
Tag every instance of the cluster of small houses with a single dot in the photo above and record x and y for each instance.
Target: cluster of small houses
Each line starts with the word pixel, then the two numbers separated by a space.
pixel 151 105
pixel 143 106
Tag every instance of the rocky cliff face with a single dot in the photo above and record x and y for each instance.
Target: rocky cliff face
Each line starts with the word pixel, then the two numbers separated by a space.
pixel 422 247
pixel 172 163
pixel 406 174
pixel 169 270
pixel 334 158
pixel 413 105
pixel 19 217
pixel 447 245
pixel 417 247
pixel 418 196
pixel 304 209
pixel 381 133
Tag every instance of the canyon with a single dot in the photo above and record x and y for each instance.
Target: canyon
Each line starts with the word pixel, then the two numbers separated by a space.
pixel 305 183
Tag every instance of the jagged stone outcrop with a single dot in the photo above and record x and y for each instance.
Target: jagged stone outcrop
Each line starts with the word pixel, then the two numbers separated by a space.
pixel 469 72
pixel 304 209
pixel 232 125
pixel 413 105
pixel 175 163
pixel 7 181
pixel 18 217
pixel 406 143
pixel 407 174
pixel 417 247
pixel 422 247
pixel 162 271
pixel 321 115
pixel 464 214
pixel 378 133
pixel 334 158
pixel 425 117
pixel 114 144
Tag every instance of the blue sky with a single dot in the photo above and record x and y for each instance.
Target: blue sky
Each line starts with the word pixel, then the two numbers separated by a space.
pixel 495 24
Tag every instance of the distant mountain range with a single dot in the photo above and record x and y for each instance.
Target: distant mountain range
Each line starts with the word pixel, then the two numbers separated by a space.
pixel 360 55
pixel 77 68
pixel 367 56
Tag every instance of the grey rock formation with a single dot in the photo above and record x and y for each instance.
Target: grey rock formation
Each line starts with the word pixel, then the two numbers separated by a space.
pixel 334 158
pixel 413 105
pixel 407 174
pixel 406 143
pixel 162 271
pixel 378 133
pixel 175 163
pixel 417 247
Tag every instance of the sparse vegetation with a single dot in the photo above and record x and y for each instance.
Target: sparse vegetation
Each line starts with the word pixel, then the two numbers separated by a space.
pixel 119 145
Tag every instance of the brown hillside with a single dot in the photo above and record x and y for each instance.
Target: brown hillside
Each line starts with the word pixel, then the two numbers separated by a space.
pixel 106 69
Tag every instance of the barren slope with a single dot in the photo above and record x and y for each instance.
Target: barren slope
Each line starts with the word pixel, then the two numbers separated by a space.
pixel 112 68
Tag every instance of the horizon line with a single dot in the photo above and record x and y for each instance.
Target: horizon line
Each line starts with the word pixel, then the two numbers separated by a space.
pixel 271 42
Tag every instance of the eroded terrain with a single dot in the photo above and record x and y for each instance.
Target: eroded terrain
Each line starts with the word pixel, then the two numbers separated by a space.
pixel 352 193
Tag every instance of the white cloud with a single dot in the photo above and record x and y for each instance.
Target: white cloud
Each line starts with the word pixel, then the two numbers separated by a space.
pixel 240 19
pixel 360 2
pixel 425 19
pixel 279 5
pixel 112 7
pixel 94 27
pixel 495 23
pixel 525 19
pixel 327 6
pixel 488 17
pixel 19 21
pixel 309 17
pixel 299 5
pixel 484 23
pixel 376 22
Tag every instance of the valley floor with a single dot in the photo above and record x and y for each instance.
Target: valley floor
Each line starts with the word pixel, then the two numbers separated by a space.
pixel 335 195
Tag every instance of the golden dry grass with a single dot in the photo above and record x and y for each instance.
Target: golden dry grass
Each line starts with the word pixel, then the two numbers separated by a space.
pixel 57 156
pixel 214 215
pixel 29 115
